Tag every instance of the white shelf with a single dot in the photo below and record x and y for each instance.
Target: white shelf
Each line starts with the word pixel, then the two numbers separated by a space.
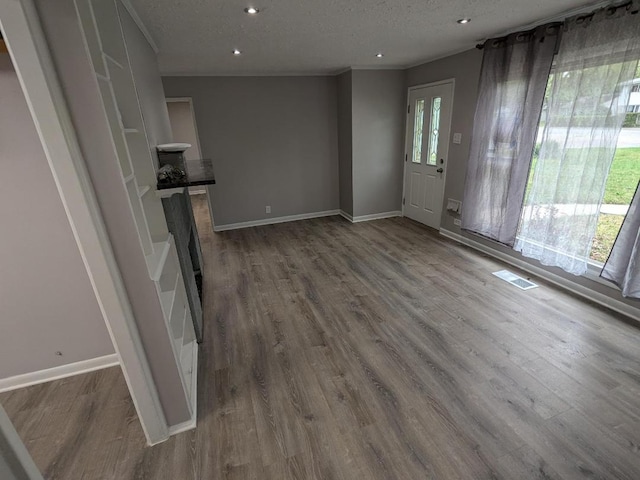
pixel 141 160
pixel 186 358
pixel 110 57
pixel 175 308
pixel 112 60
pixel 176 325
pixel 114 124
pixel 144 233
pixel 189 365
pixel 85 12
pixel 142 190
pixel 108 23
pixel 167 299
pixel 155 214
pixel 157 259
pixel 126 97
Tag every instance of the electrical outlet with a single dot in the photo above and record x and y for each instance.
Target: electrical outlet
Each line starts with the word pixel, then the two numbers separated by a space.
pixel 267 209
pixel 457 221
pixel 457 138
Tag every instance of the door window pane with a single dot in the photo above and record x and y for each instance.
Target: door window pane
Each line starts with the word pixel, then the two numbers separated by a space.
pixel 418 125
pixel 434 131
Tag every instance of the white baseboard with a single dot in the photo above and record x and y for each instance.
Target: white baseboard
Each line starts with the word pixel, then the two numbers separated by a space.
pixel 562 282
pixel 184 427
pixel 373 216
pixel 271 221
pixel 56 373
pixel 345 215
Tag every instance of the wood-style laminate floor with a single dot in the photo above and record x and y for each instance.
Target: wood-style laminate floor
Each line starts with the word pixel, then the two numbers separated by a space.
pixel 377 350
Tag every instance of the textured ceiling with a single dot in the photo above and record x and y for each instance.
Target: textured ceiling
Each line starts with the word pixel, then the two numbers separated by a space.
pixel 325 36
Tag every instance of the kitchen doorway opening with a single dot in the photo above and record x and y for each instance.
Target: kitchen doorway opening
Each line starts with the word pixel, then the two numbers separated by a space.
pixel 183 125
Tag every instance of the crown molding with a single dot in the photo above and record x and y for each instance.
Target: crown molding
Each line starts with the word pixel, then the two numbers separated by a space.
pixel 136 18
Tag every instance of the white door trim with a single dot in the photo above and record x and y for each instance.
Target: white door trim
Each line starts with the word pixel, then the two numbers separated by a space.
pixel 27 46
pixel 452 81
pixel 188 100
pixel 195 126
pixel 432 84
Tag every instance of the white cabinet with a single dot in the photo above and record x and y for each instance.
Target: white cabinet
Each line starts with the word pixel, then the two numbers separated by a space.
pixel 108 50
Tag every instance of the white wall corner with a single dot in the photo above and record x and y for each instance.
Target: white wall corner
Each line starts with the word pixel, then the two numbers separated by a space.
pixel 581 290
pixel 21 25
pixel 56 373
pixel 346 215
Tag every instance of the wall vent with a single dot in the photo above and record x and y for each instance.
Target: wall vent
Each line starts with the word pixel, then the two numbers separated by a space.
pixel 513 279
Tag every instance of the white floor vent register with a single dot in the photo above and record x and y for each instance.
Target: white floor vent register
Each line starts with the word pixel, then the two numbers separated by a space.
pixel 514 279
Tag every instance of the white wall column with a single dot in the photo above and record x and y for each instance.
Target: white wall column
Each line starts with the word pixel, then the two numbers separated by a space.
pixel 21 28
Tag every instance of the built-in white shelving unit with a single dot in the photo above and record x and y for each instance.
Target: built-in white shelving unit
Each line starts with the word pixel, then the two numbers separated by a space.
pixel 108 50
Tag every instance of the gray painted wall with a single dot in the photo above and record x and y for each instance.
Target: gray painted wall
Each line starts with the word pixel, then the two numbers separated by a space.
pixel 345 143
pixel 64 38
pixel 465 68
pixel 46 300
pixel 378 110
pixel 273 141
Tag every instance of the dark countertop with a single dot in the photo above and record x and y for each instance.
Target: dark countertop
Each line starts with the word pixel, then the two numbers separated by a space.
pixel 199 172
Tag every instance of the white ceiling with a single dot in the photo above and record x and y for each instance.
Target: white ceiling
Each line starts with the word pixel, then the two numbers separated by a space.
pixel 326 36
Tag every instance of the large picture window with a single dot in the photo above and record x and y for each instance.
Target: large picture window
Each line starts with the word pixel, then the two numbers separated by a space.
pixel 582 179
pixel 621 181
pixel 608 208
pixel 582 166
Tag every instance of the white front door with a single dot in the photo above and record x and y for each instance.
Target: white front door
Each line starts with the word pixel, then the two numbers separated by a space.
pixel 427 147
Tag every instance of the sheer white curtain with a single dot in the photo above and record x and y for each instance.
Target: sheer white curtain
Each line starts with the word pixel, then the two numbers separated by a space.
pixel 513 80
pixel 587 99
pixel 623 265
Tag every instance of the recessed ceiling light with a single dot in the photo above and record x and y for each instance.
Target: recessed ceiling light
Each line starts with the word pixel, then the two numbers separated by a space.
pixel 251 10
pixel 462 21
pixel 237 52
pixel 379 55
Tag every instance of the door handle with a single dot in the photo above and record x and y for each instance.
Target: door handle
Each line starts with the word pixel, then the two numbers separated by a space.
pixel 440 170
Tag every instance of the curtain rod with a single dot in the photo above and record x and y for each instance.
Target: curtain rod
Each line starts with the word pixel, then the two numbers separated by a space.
pixel 611 9
pixel 531 31
pixel 583 11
